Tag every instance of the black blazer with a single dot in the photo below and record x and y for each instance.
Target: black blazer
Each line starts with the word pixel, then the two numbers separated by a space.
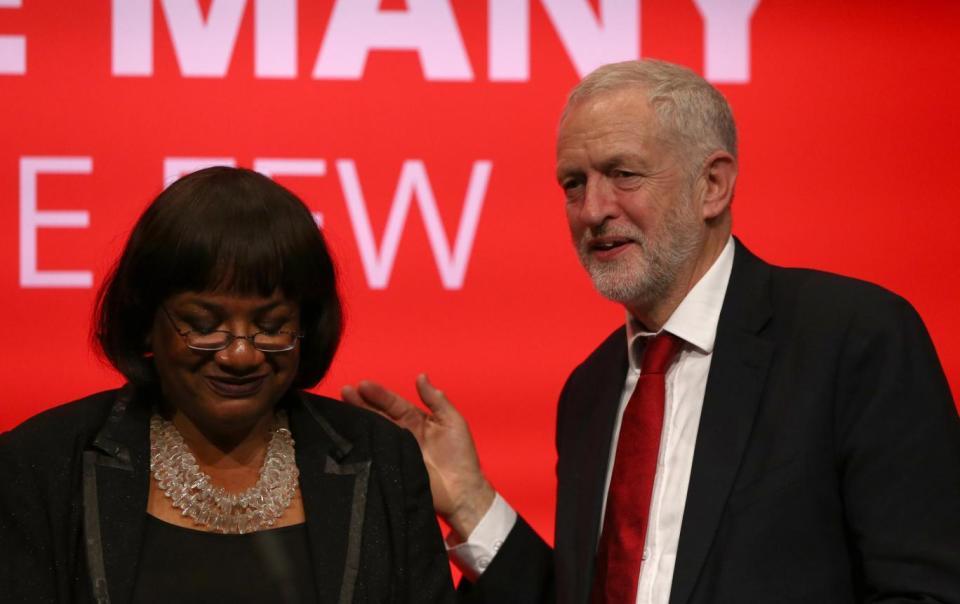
pixel 826 467
pixel 75 481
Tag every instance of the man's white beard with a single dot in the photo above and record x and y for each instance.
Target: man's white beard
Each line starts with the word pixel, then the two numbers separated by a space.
pixel 649 278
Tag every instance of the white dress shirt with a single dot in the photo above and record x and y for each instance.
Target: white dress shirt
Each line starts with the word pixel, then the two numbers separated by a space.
pixel 695 322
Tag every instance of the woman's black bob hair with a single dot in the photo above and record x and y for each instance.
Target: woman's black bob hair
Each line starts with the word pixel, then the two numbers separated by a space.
pixel 226 230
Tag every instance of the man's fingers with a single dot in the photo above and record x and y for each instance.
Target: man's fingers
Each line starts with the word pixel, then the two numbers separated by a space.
pixel 435 399
pixel 350 395
pixel 375 397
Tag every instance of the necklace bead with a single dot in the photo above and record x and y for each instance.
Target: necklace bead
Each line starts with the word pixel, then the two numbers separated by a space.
pixel 192 492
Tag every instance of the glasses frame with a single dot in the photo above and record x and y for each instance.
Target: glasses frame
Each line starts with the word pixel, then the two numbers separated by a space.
pixel 230 337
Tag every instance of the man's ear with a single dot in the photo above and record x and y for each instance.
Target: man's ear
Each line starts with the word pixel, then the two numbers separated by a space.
pixel 718 179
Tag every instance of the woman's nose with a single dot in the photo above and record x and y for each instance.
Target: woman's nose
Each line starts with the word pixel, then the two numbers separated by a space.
pixel 240 355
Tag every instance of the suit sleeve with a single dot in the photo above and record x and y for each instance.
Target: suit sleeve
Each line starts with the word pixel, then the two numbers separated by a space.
pixel 521 572
pixel 524 568
pixel 898 436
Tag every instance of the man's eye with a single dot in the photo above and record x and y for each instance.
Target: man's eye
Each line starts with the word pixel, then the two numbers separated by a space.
pixel 625 179
pixel 571 187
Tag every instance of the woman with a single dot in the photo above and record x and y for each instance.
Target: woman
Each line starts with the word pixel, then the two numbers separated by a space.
pixel 211 476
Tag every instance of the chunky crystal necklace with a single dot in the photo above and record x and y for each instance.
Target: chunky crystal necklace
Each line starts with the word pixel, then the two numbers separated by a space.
pixel 179 477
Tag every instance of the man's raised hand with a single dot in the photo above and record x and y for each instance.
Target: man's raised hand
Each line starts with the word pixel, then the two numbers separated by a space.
pixel 461 493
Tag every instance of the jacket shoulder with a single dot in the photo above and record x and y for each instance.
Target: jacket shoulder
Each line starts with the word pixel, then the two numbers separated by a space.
pixel 827 284
pixel 809 294
pixel 827 297
pixel 348 423
pixel 59 428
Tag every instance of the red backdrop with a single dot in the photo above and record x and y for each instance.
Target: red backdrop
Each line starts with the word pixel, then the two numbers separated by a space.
pixel 422 132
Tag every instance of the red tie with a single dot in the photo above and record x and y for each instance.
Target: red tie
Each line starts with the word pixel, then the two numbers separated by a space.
pixel 631 484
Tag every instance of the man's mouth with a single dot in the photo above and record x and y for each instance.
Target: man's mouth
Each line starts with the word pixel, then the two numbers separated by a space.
pixel 606 246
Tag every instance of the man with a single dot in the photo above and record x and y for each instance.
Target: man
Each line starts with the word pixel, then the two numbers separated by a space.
pixel 753 433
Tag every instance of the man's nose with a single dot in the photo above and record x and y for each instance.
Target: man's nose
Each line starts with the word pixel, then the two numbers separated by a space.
pixel 239 356
pixel 599 202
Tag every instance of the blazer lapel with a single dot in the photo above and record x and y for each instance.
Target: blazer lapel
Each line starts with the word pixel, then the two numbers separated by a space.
pixel 593 456
pixel 734 387
pixel 116 474
pixel 334 488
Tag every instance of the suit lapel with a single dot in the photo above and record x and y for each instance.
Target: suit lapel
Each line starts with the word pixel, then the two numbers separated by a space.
pixel 594 455
pixel 116 474
pixel 734 387
pixel 334 493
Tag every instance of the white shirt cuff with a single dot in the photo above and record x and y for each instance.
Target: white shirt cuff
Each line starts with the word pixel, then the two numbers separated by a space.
pixel 474 555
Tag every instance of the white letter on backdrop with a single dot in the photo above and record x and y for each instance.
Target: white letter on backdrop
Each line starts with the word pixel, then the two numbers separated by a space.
pixel 132 42
pixel 13 49
pixel 378 265
pixel 591 41
pixel 275 38
pixel 358 26
pixel 32 219
pixel 509 50
pixel 175 167
pixel 273 167
pixel 203 48
pixel 726 39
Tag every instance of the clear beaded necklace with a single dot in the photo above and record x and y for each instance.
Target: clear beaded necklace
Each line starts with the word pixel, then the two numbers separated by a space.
pixel 179 477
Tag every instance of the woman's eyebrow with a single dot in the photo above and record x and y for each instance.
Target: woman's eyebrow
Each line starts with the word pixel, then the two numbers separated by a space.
pixel 219 309
pixel 286 304
pixel 203 304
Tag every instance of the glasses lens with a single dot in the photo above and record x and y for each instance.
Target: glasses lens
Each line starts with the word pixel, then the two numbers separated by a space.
pixel 216 340
pixel 275 342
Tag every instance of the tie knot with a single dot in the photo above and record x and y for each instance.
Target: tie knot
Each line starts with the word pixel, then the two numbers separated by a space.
pixel 659 351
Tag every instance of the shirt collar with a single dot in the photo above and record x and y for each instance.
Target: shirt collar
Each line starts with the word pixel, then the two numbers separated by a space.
pixel 695 319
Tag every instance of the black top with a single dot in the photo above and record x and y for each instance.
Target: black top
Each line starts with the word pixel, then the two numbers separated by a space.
pixel 186 565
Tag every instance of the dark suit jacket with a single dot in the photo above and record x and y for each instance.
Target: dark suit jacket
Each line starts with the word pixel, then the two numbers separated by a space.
pixel 74 497
pixel 826 467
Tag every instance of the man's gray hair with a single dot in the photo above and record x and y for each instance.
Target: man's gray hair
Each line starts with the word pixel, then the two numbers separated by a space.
pixel 686 105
